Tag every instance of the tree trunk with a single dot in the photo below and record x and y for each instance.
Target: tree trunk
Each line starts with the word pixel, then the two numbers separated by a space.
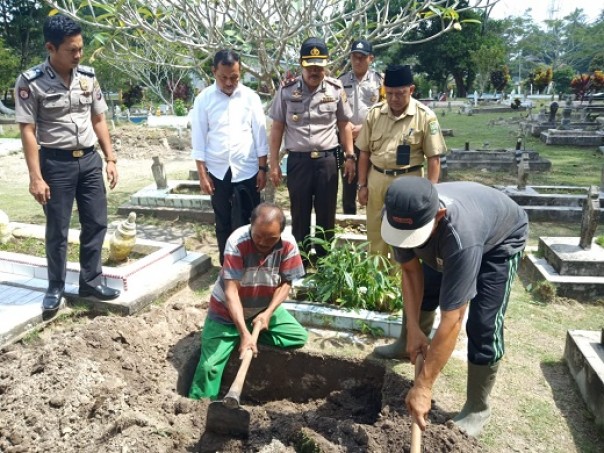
pixel 461 87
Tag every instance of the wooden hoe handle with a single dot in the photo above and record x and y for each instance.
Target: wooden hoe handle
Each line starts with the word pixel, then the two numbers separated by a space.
pixel 231 400
pixel 416 432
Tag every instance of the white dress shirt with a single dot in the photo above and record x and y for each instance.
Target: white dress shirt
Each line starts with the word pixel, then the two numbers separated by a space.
pixel 229 131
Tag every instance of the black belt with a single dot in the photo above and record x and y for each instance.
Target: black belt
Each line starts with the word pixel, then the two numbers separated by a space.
pixel 397 172
pixel 314 154
pixel 62 154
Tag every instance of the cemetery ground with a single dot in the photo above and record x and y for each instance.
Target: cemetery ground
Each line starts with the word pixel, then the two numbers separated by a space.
pixel 97 382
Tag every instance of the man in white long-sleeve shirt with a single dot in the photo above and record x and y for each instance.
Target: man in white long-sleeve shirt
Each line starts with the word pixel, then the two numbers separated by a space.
pixel 229 146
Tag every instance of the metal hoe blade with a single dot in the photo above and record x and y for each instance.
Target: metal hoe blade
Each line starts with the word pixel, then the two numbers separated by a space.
pixel 232 422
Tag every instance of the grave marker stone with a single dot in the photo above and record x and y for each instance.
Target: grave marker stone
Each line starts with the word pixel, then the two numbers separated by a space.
pixel 589 221
pixel 523 171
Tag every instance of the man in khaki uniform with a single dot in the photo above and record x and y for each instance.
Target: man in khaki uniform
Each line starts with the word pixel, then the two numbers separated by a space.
pixel 362 86
pixel 397 137
pixel 307 111
pixel 60 111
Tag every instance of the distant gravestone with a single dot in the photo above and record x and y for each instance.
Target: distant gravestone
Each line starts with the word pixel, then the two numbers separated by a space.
pixel 444 169
pixel 553 109
pixel 566 113
pixel 523 171
pixel 589 220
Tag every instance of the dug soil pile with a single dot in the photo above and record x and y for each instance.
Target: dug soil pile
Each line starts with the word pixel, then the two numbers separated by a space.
pixel 115 384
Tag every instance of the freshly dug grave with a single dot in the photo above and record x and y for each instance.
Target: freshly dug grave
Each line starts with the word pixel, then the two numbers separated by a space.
pixel 117 385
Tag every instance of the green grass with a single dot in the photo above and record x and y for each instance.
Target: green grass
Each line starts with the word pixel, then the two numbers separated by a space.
pixel 9 131
pixel 572 166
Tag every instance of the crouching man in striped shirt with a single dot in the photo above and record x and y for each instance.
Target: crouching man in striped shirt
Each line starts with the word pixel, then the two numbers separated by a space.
pixel 260 262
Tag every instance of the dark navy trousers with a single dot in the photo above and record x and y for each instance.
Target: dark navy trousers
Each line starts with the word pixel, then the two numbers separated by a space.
pixel 79 179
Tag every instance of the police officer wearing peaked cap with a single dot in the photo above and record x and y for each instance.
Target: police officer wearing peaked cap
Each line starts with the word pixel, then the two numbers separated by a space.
pixel 363 89
pixel 306 112
pixel 60 111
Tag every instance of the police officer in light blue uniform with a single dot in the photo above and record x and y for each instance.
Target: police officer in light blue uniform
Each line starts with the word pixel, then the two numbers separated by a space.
pixel 60 111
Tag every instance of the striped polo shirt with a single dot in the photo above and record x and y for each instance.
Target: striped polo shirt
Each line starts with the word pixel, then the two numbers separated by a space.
pixel 258 276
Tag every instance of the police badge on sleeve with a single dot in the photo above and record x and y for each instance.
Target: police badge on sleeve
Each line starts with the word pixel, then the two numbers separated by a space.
pixel 24 93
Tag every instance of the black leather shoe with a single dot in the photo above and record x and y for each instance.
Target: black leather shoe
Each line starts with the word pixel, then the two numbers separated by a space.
pixel 101 292
pixel 52 299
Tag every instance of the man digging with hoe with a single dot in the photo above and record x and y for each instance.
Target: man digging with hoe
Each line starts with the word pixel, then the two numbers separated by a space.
pixel 473 236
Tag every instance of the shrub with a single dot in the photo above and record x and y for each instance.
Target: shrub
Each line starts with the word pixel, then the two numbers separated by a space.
pixel 132 96
pixel 180 109
pixel 350 277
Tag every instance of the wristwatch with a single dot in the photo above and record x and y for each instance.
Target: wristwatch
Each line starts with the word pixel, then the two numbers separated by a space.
pixel 351 156
pixel 263 168
pixel 360 186
pixel 113 159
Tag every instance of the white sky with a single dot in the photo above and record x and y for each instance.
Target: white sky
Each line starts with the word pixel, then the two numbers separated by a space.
pixel 540 8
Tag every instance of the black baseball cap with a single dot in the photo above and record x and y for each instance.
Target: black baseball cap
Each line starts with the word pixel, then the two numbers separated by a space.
pixel 398 76
pixel 313 52
pixel 361 46
pixel 410 212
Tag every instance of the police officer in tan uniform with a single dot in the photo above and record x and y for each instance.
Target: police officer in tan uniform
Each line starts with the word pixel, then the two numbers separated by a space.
pixel 60 111
pixel 362 86
pixel 307 111
pixel 397 137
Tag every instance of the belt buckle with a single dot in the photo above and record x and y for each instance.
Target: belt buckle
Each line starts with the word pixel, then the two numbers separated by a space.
pixel 77 153
pixel 315 154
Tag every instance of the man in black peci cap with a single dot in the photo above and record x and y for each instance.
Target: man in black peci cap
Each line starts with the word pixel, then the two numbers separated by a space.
pixel 473 236
pixel 306 113
pixel 363 87
pixel 397 137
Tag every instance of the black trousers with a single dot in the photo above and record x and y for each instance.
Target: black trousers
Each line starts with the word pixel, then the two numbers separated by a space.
pixel 79 179
pixel 349 189
pixel 487 309
pixel 312 183
pixel 233 203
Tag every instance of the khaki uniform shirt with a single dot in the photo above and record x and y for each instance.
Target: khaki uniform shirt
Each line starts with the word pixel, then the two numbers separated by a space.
pixel 361 94
pixel 310 117
pixel 382 132
pixel 62 114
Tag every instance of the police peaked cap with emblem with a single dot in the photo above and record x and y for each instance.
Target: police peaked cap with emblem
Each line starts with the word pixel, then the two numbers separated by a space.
pixel 398 76
pixel 361 46
pixel 313 52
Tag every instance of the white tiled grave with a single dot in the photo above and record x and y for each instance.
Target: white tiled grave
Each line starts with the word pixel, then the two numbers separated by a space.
pixel 24 279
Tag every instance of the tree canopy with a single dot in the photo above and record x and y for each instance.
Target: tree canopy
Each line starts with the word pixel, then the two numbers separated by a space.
pixel 271 31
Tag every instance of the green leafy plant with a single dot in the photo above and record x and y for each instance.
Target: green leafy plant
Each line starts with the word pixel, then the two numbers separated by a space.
pixel 180 109
pixel 600 241
pixel 352 278
pixel 366 329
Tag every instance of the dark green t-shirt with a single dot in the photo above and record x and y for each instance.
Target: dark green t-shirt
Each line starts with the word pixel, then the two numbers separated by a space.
pixel 480 221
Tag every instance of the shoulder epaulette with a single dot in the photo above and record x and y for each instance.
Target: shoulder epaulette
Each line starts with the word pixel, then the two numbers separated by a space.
pixel 343 75
pixel 86 70
pixel 33 74
pixel 334 82
pixel 378 105
pixel 289 82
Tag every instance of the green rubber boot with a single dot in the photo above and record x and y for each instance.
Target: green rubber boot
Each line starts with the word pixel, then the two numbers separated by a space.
pixel 398 349
pixel 476 412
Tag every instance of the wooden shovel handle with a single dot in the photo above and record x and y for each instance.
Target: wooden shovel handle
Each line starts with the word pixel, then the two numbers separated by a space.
pixel 416 432
pixel 231 400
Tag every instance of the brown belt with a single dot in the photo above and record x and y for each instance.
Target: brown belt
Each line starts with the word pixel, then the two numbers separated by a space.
pixel 402 171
